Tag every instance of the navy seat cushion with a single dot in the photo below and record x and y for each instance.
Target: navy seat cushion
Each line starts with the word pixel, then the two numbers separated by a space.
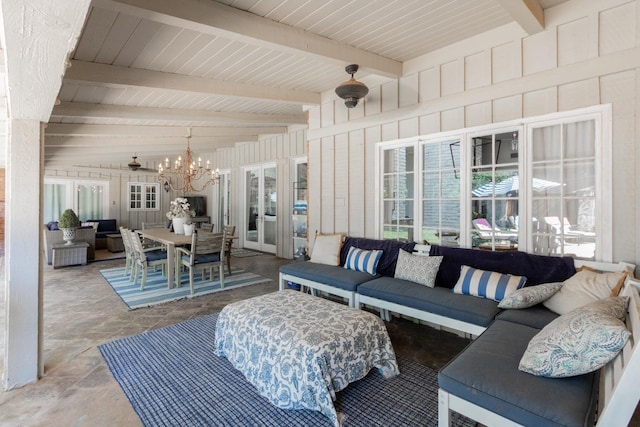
pixel 486 373
pixel 441 301
pixel 537 316
pixel 327 274
pixel 105 226
pixel 537 268
pixel 203 259
pixel 156 255
pixel 387 264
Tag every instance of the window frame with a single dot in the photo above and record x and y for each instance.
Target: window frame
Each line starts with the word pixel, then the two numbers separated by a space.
pixel 144 193
pixel 602 116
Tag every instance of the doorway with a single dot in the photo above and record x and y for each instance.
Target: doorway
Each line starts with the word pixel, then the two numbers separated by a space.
pixel 260 208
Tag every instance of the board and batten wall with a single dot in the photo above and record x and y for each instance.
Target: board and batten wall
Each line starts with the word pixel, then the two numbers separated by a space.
pixel 279 149
pixel 589 54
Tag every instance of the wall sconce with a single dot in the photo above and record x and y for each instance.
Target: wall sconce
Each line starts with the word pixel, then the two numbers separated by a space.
pixel 166 186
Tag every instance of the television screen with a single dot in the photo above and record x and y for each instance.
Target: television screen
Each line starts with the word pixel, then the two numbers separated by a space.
pixel 197 204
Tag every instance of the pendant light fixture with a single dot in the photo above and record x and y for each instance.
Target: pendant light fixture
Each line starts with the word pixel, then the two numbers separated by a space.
pixel 352 90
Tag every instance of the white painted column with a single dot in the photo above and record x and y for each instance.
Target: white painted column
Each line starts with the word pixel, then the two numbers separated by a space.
pixel 23 274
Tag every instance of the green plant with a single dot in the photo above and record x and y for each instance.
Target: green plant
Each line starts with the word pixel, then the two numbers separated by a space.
pixel 68 219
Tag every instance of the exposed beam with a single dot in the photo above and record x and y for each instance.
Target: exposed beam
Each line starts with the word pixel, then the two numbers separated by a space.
pixel 102 111
pixel 37 39
pixel 142 144
pixel 217 19
pixel 104 75
pixel 527 13
pixel 77 130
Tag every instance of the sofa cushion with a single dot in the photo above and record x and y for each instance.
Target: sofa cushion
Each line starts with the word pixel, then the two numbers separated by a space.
pixel 326 274
pixel 487 284
pixel 537 268
pixel 363 260
pixel 578 342
pixel 530 296
pixel 436 300
pixel 389 248
pixel 417 268
pixel 53 225
pixel 486 373
pixel 537 316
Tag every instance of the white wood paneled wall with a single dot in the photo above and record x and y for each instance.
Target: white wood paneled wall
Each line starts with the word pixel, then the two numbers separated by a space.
pixel 588 54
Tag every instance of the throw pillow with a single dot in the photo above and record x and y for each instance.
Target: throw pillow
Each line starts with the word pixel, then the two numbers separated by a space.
pixel 417 268
pixel 578 342
pixel 92 224
pixel 584 287
pixel 363 260
pixel 326 249
pixel 530 296
pixel 487 284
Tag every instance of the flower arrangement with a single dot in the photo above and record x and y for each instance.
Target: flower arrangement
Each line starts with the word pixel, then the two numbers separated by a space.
pixel 180 209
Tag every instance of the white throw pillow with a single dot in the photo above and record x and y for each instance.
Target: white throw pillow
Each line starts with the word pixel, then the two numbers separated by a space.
pixel 326 249
pixel 417 268
pixel 584 287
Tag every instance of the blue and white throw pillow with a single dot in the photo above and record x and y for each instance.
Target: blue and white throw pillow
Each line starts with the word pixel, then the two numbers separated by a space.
pixel 363 260
pixel 579 342
pixel 487 284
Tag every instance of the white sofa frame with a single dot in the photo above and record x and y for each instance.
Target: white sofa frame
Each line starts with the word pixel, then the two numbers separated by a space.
pixel 619 394
pixel 315 286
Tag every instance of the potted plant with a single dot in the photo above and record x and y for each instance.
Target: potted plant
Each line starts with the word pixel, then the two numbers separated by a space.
pixel 180 213
pixel 68 223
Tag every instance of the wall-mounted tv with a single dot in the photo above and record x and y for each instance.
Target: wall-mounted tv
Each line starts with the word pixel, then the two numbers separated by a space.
pixel 198 204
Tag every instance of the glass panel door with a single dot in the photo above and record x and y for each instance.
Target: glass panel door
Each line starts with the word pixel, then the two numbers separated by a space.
pixel 224 199
pixel 261 208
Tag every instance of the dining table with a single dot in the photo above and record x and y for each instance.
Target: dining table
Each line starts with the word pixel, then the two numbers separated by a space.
pixel 171 240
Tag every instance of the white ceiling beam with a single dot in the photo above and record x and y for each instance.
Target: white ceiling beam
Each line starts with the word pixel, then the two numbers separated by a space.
pixel 38 36
pixel 89 130
pixel 217 19
pixel 81 110
pixel 527 13
pixel 112 76
pixel 142 144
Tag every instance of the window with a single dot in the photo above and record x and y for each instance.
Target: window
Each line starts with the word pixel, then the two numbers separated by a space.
pixel 534 185
pixel 88 198
pixel 143 196
pixel 398 194
pixel 441 192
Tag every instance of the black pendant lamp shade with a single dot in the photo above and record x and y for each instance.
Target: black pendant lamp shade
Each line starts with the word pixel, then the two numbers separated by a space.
pixel 352 90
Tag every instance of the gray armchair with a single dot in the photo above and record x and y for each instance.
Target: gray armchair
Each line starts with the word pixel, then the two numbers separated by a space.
pixel 52 237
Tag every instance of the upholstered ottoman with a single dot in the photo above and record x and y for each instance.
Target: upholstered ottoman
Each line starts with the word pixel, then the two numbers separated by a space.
pixel 299 350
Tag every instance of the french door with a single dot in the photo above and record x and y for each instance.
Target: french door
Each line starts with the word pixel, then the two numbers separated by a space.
pixel 260 207
pixel 224 200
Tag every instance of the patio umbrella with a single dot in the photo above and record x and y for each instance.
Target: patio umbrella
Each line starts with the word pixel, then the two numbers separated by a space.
pixel 511 185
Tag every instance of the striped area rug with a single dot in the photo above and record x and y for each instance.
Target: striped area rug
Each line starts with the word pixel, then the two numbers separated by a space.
pixel 172 377
pixel 156 290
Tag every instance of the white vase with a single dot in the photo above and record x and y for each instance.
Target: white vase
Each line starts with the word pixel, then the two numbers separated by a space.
pixel 68 235
pixel 178 225
pixel 188 229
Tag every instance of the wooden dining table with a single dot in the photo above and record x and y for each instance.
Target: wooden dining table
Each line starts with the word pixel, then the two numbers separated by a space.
pixel 171 240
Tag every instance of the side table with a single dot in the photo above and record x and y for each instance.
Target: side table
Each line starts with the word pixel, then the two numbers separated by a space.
pixel 73 254
pixel 114 243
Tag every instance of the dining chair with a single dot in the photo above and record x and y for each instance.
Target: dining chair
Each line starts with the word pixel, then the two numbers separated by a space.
pixel 207 252
pixel 148 243
pixel 229 231
pixel 129 252
pixel 145 258
pixel 206 226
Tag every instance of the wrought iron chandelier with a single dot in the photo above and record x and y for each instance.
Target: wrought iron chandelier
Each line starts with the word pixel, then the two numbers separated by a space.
pixel 188 171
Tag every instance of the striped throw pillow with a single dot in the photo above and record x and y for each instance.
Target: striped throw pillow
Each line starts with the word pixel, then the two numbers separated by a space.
pixel 487 284
pixel 363 260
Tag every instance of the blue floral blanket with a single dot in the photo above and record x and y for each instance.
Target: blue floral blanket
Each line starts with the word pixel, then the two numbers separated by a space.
pixel 299 350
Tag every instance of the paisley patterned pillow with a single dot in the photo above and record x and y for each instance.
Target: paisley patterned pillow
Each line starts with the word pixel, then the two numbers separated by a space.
pixel 417 268
pixel 578 342
pixel 530 296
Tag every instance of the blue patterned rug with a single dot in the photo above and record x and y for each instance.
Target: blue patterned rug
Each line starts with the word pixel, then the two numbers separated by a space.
pixel 156 290
pixel 172 377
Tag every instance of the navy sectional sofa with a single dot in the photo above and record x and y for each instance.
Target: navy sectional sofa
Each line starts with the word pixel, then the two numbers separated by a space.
pixel 485 376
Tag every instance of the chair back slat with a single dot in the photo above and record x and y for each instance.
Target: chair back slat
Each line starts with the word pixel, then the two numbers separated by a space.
pixel 209 243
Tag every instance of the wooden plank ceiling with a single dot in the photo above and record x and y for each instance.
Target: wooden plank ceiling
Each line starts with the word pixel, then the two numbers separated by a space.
pixel 144 71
